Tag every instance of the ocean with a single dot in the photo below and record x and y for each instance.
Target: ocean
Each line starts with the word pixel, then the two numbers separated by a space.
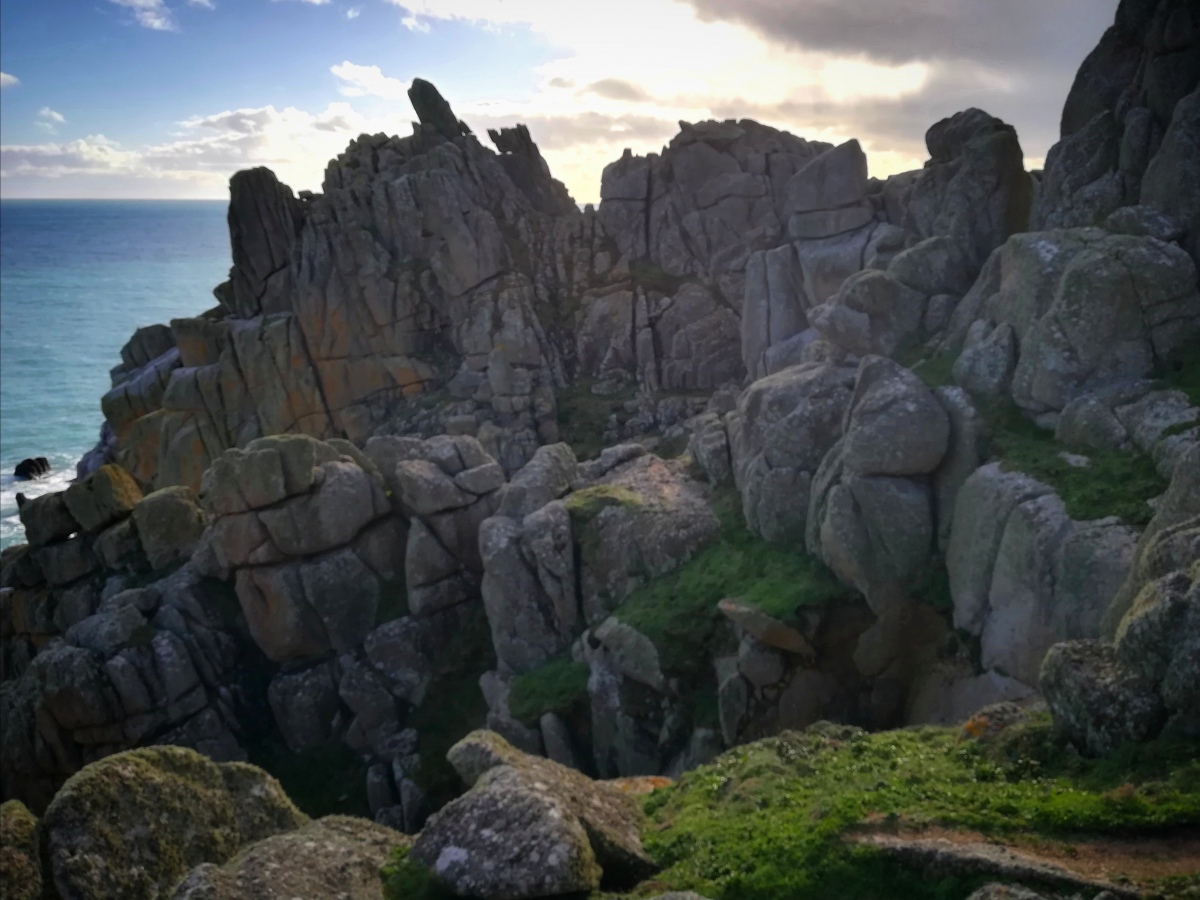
pixel 77 278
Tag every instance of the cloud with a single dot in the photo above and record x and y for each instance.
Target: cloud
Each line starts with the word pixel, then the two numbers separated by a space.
pixel 203 4
pixel 49 119
pixel 207 151
pixel 353 12
pixel 615 89
pixel 899 31
pixel 7 80
pixel 879 70
pixel 310 2
pixel 368 81
pixel 152 14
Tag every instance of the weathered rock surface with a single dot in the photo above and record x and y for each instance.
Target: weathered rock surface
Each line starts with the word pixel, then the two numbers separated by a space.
pixel 1128 121
pixel 336 856
pixel 871 515
pixel 529 827
pixel 1058 315
pixel 97 837
pixel 783 427
pixel 20 852
pixel 1024 575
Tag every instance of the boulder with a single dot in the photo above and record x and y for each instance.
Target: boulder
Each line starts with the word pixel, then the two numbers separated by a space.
pixel 20 852
pixel 550 829
pixel 29 469
pixel 1098 701
pixel 529 585
pixel 169 524
pixel 783 427
pixel 99 842
pixel 108 494
pixel 47 519
pixel 642 520
pixel 336 856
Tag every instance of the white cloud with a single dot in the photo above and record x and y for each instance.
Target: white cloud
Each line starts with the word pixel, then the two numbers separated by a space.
pixel 152 14
pixel 353 12
pixel 208 149
pixel 7 80
pixel 368 81
pixel 203 4
pixel 49 119
pixel 310 2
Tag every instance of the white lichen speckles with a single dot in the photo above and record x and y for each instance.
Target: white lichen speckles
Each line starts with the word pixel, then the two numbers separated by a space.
pixel 449 857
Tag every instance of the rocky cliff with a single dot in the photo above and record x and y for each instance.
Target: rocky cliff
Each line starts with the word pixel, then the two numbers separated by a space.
pixel 759 441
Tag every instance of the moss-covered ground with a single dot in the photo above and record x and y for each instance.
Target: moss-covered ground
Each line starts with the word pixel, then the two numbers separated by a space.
pixel 559 686
pixel 769 820
pixel 678 611
pixel 1113 483
pixel 774 820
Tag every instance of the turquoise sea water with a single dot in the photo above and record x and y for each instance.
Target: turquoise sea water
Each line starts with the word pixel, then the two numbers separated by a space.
pixel 77 278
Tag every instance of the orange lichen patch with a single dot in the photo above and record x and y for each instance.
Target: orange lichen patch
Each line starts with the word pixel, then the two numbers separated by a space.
pixel 1136 859
pixel 639 785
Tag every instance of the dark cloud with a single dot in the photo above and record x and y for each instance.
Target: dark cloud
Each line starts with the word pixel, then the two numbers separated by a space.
pixel 1054 33
pixel 616 89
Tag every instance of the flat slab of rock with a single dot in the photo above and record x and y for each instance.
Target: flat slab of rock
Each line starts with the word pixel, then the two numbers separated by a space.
pixel 767 629
pixel 946 857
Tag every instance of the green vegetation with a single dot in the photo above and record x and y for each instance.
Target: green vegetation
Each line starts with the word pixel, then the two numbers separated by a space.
pixel 583 417
pixel 324 780
pixel 585 505
pixel 559 686
pixel 1114 483
pixel 678 611
pixel 769 820
pixel 406 879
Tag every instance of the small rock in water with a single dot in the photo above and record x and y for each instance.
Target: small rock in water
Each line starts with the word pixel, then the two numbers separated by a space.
pixel 36 467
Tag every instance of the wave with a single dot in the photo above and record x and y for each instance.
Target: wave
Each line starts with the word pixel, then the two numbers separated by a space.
pixel 11 529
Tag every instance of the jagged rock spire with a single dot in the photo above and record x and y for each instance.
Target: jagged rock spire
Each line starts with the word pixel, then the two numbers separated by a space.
pixel 433 110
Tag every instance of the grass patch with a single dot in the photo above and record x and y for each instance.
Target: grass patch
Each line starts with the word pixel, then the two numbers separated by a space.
pixel 767 820
pixel 559 686
pixel 1116 483
pixel 583 417
pixel 936 370
pixel 586 504
pixel 678 611
pixel 324 780
pixel 406 879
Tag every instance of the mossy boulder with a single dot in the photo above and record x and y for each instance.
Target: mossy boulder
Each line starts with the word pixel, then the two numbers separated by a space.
pixel 108 494
pixel 169 523
pixel 337 856
pixel 530 827
pixel 133 824
pixel 20 853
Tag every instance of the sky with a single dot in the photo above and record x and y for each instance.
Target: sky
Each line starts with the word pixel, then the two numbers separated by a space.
pixel 168 98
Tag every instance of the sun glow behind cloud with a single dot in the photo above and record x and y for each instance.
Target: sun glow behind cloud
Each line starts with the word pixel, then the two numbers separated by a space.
pixel 620 74
pixel 614 85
